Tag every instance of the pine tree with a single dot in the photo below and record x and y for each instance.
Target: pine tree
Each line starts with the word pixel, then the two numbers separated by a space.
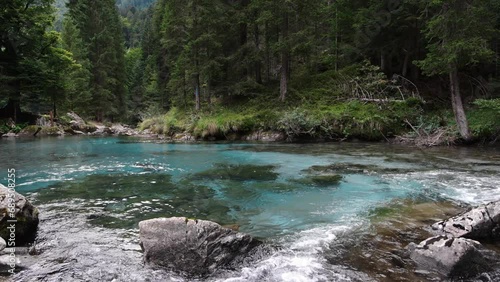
pixel 458 34
pixel 99 27
pixel 25 48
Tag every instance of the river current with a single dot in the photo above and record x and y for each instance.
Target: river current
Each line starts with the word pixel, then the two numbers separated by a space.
pixel 332 211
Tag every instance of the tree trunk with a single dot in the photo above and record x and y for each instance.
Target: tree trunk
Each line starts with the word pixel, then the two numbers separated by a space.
pixel 268 55
pixel 257 63
pixel 382 61
pixel 209 94
pixel 406 62
pixel 184 89
pixel 458 108
pixel 285 68
pixel 337 34
pixel 197 90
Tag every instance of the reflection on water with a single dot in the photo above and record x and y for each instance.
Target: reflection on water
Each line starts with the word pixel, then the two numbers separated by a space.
pixel 309 199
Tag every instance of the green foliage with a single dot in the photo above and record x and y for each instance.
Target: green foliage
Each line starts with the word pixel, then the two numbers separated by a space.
pixel 345 65
pixel 458 35
pixel 29 55
pixel 341 120
pixel 97 30
pixel 4 128
pixel 298 122
pixel 493 105
pixel 485 120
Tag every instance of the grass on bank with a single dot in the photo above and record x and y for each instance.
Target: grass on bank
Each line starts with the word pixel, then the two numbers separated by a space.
pixel 341 120
pixel 330 105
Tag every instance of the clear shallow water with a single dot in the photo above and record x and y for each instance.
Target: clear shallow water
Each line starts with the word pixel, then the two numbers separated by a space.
pixel 269 191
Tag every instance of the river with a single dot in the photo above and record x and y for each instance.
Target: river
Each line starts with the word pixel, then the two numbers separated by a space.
pixel 92 192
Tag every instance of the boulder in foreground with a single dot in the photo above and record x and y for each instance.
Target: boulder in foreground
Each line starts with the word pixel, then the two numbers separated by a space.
pixel 193 247
pixel 26 216
pixel 452 257
pixel 479 223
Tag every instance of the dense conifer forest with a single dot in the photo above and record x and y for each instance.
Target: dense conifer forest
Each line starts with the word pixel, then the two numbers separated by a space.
pixel 332 69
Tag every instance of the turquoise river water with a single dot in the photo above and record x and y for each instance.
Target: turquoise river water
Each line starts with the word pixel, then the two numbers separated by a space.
pixel 306 199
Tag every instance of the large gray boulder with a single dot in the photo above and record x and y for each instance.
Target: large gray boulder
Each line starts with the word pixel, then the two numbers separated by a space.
pixel 77 124
pixel 451 257
pixel 193 247
pixel 123 130
pixel 479 223
pixel 26 216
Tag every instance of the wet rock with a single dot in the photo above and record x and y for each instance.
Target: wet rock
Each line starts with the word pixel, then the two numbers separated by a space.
pixel 75 119
pixel 77 124
pixel 193 247
pixel 320 180
pixel 351 168
pixel 26 216
pixel 238 172
pixel 70 249
pixel 71 131
pixel 123 130
pixel 479 223
pixel 102 130
pixel 10 134
pixel 183 137
pixel 266 136
pixel 30 130
pixel 451 257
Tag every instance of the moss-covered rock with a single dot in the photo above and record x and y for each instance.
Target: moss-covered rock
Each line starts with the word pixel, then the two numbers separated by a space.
pixel 42 131
pixel 238 172
pixel 320 180
pixel 349 168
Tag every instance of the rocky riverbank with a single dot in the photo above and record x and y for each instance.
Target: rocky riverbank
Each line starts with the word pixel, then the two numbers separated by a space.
pixel 71 124
pixel 456 251
pixel 69 246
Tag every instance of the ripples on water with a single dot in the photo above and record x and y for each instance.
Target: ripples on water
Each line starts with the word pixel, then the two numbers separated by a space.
pixel 276 192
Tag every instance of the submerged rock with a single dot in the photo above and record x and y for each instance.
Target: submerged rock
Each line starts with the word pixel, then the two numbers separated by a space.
pixel 353 168
pixel 452 257
pixel 193 247
pixel 26 216
pixel 320 180
pixel 479 223
pixel 238 172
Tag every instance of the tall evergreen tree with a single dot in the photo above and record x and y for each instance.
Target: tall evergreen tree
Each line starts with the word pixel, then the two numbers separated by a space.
pixel 99 27
pixel 25 49
pixel 458 34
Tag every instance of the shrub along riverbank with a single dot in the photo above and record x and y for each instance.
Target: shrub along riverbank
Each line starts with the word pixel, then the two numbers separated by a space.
pixel 354 103
pixel 357 103
pixel 402 121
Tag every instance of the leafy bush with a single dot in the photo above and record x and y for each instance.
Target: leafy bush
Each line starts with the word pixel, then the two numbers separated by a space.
pixel 298 122
pixel 485 119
